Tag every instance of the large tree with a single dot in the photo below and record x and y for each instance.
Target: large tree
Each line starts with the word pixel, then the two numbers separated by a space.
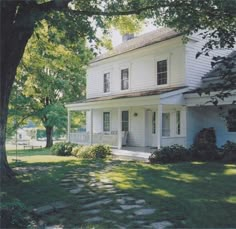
pixel 20 17
pixel 49 75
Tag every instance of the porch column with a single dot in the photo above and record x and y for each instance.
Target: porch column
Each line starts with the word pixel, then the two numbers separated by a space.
pixel 68 124
pixel 159 125
pixel 91 127
pixel 119 134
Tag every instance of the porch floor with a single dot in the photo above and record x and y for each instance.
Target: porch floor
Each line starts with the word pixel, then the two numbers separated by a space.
pixel 133 153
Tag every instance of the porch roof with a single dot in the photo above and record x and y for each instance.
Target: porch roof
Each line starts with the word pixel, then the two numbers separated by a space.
pixel 148 97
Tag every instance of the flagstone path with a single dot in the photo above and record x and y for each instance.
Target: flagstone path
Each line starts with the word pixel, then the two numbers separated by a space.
pixel 101 202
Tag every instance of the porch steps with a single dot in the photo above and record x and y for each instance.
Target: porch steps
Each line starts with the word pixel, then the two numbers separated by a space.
pixel 132 153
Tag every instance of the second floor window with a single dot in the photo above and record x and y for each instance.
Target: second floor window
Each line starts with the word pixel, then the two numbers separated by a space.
pixel 106 82
pixel 125 79
pixel 162 72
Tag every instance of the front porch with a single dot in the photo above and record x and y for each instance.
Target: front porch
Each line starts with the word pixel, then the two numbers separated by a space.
pixel 146 121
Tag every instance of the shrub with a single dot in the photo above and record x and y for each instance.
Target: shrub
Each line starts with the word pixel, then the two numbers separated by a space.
pixel 14 214
pixel 63 148
pixel 204 147
pixel 228 152
pixel 92 152
pixel 204 152
pixel 168 154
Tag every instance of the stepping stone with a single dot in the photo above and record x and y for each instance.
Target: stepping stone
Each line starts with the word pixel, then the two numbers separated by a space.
pixel 116 211
pixel 43 210
pixel 82 179
pixel 75 191
pixel 140 202
pixel 106 181
pixel 129 198
pixel 97 203
pixel 145 211
pixel 60 205
pixel 67 180
pixel 162 225
pixel 120 201
pixel 94 219
pixel 91 212
pixel 80 185
pixel 54 227
pixel 128 207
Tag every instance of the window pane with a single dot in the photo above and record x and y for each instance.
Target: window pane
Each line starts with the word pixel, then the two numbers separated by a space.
pixel 125 121
pixel 124 79
pixel 178 123
pixel 154 122
pixel 166 124
pixel 162 72
pixel 106 82
pixel 106 121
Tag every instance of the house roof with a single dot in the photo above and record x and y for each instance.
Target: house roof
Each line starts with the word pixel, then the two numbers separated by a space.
pixel 144 40
pixel 130 95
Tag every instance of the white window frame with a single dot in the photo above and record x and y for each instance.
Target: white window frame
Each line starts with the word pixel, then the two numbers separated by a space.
pixel 122 120
pixel 158 59
pixel 122 67
pixel 166 136
pixel 103 121
pixel 104 74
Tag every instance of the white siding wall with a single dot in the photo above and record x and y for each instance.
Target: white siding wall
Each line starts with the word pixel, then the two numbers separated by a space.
pixel 205 117
pixel 142 68
pixel 197 68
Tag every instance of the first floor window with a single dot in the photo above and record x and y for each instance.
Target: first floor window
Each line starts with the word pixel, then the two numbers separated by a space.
pixel 231 120
pixel 166 124
pixel 106 121
pixel 178 122
pixel 106 82
pixel 162 72
pixel 125 79
pixel 154 122
pixel 125 121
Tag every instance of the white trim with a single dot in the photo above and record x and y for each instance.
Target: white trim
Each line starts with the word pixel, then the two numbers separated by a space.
pixel 161 58
pixel 159 125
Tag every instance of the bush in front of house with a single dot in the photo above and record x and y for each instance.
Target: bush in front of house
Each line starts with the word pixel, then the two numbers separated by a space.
pixel 62 148
pixel 92 152
pixel 204 147
pixel 228 152
pixel 169 154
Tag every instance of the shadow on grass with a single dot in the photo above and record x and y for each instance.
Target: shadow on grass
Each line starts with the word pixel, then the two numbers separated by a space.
pixel 193 194
pixel 187 194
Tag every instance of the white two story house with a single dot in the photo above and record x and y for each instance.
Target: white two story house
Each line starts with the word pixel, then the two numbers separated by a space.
pixel 138 94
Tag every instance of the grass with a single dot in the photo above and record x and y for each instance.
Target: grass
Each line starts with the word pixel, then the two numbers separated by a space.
pixel 188 194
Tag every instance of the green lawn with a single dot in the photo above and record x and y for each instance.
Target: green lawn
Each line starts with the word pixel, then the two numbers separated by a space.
pixel 190 195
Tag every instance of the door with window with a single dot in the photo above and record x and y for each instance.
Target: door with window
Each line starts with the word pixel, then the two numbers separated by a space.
pixel 151 136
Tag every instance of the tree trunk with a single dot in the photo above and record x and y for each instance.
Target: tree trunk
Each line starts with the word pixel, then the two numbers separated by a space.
pixel 14 36
pixel 49 133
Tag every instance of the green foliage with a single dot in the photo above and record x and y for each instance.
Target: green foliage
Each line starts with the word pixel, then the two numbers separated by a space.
pixel 204 152
pixel 62 148
pixel 169 154
pixel 14 214
pixel 228 152
pixel 91 152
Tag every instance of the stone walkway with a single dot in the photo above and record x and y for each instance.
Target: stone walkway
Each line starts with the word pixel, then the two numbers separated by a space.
pixel 101 202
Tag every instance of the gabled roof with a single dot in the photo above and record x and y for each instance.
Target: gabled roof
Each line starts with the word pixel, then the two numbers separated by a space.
pixel 144 40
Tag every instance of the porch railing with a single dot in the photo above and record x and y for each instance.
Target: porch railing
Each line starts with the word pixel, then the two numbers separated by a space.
pixel 97 138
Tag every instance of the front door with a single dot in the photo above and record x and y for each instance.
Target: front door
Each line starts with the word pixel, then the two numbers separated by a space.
pixel 151 137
